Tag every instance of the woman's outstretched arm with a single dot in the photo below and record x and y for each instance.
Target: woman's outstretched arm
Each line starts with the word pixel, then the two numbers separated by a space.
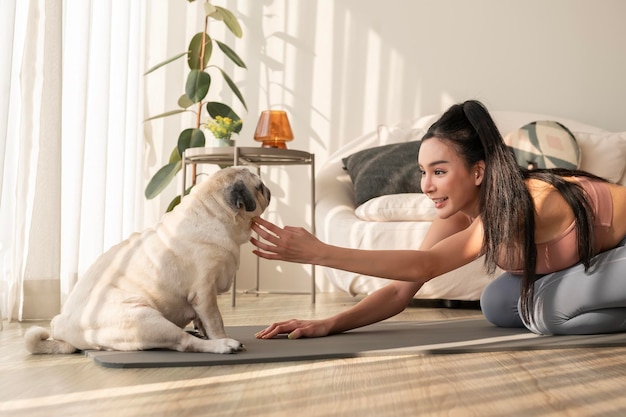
pixel 380 305
pixel 295 244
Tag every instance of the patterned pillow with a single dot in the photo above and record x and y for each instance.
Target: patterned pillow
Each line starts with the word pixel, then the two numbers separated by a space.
pixel 544 144
pixel 383 170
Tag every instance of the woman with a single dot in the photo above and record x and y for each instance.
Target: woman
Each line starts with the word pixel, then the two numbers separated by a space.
pixel 561 235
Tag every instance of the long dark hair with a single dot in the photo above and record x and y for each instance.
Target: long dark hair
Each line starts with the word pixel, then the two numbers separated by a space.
pixel 506 206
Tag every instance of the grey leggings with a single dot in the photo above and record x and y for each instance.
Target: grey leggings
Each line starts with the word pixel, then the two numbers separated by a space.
pixel 566 302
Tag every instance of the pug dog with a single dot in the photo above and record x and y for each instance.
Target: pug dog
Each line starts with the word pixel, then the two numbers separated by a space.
pixel 143 292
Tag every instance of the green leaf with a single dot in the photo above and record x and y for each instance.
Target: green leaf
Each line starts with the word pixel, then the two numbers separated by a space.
pixel 197 139
pixel 190 138
pixel 173 204
pixel 157 66
pixel 168 113
pixel 197 87
pixel 184 102
pixel 162 178
pixel 175 155
pixel 234 88
pixel 231 21
pixel 231 54
pixel 195 51
pixel 209 9
pixel 216 108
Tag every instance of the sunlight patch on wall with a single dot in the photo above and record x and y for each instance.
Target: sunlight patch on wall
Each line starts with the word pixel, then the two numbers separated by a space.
pixel 344 103
pixel 396 80
pixel 279 57
pixel 322 98
pixel 372 90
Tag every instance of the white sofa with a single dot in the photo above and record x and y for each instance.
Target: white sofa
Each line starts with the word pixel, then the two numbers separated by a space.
pixel 401 221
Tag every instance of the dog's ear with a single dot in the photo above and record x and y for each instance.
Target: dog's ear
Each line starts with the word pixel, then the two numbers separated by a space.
pixel 240 197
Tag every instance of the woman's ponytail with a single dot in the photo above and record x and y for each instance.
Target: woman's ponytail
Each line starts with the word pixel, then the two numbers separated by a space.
pixel 506 206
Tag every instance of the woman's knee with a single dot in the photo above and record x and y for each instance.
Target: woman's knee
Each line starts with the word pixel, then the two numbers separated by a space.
pixel 498 301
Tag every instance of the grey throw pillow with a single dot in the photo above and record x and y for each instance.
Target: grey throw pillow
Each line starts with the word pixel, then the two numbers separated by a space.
pixel 383 170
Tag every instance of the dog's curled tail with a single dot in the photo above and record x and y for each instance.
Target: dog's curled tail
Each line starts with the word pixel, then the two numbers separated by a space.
pixel 38 342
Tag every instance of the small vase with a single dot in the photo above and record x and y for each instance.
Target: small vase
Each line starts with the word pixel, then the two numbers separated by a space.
pixel 223 142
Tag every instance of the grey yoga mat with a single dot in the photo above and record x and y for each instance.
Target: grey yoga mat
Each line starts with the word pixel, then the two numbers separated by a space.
pixel 386 338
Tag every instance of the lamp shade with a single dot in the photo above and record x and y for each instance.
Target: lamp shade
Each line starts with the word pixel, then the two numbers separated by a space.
pixel 273 129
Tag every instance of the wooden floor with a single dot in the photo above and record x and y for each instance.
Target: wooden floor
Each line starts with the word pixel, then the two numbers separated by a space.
pixel 576 382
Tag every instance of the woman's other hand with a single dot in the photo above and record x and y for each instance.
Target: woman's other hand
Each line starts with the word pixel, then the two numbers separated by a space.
pixel 295 329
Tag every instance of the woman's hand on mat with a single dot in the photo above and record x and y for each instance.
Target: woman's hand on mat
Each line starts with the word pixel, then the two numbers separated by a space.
pixel 292 244
pixel 295 329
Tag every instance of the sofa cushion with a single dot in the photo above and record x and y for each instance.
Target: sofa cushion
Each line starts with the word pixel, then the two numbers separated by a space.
pixel 388 134
pixel 383 170
pixel 397 207
pixel 603 154
pixel 544 144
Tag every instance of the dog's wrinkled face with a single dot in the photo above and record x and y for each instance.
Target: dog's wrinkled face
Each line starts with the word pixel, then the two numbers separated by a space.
pixel 244 191
pixel 238 191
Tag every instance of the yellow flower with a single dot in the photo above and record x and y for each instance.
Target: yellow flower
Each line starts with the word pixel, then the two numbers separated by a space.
pixel 222 127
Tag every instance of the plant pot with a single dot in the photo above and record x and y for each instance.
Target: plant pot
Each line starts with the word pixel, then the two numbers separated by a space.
pixel 219 143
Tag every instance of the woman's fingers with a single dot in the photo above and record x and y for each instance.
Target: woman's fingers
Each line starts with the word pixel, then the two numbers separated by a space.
pixel 267 250
pixel 262 245
pixel 263 254
pixel 267 225
pixel 292 244
pixel 295 329
pixel 277 329
pixel 270 237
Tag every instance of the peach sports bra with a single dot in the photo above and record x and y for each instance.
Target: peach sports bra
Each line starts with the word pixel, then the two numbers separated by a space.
pixel 562 251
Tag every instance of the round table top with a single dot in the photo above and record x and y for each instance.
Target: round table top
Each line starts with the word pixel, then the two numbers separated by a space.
pixel 246 155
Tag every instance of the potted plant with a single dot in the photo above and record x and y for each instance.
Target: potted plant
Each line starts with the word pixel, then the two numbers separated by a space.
pixel 194 99
pixel 222 129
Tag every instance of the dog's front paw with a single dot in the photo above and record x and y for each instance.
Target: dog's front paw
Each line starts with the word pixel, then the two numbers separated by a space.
pixel 230 346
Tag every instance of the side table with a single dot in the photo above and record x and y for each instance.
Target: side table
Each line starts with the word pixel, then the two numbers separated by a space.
pixel 255 157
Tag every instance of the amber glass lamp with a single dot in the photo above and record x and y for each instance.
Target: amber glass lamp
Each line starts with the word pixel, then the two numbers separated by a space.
pixel 273 129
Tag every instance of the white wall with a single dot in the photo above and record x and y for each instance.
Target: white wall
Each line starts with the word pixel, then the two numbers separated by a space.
pixel 342 67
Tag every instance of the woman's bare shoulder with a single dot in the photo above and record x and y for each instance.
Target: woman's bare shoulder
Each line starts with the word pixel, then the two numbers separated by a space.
pixel 618 193
pixel 543 194
pixel 552 213
pixel 443 228
pixel 617 189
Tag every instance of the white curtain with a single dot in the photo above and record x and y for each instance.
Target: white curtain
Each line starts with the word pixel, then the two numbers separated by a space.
pixel 71 143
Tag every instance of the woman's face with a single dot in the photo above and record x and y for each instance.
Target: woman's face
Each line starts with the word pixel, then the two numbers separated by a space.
pixel 447 180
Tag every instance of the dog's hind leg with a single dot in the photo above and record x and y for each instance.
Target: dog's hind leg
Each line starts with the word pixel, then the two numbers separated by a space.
pixel 150 330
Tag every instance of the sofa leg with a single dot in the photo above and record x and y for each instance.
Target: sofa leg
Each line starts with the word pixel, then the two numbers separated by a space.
pixel 451 303
pixel 468 305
